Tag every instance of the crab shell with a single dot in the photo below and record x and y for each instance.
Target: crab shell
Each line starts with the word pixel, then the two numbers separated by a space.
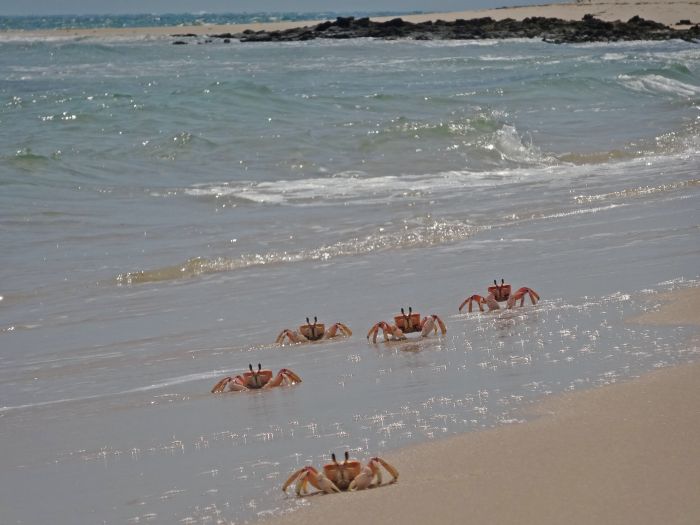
pixel 500 293
pixel 312 332
pixel 413 323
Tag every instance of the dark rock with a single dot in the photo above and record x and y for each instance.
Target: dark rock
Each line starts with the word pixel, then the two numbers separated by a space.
pixel 259 36
pixel 395 22
pixel 344 21
pixel 588 29
pixel 684 22
pixel 179 43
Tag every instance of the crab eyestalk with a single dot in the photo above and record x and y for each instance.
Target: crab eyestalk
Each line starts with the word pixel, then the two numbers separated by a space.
pixel 407 318
pixel 256 375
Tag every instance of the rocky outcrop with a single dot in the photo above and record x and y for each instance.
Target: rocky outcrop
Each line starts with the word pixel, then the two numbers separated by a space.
pixel 588 29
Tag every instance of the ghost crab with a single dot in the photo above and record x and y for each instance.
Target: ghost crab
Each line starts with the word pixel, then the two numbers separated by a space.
pixel 254 380
pixel 313 332
pixel 406 324
pixel 499 293
pixel 338 477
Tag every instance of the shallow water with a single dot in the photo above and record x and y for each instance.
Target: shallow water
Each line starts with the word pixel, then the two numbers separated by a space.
pixel 166 210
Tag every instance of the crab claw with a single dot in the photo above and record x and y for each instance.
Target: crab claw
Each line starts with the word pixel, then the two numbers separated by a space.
pixel 221 385
pixel 443 328
pixel 333 331
pixel 306 475
pixel 363 480
pixel 344 329
pixel 473 299
pixel 290 375
pixel 291 479
pixel 430 324
pixel 321 482
pixel 371 472
pixel 280 338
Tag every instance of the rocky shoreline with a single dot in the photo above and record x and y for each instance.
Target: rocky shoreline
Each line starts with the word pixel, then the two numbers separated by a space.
pixel 554 30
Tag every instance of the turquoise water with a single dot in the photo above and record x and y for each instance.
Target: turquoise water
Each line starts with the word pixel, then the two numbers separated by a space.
pixel 166 210
pixel 48 22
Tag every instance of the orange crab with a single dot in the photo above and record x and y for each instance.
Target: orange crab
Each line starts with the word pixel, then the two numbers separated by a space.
pixel 498 294
pixel 256 379
pixel 338 477
pixel 313 332
pixel 406 324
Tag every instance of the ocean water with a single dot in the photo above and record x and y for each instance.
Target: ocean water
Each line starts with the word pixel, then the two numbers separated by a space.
pixel 50 22
pixel 166 210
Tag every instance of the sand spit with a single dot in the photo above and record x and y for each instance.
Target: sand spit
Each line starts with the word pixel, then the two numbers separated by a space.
pixel 669 13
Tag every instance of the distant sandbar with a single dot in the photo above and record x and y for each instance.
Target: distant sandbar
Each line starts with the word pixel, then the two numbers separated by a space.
pixel 669 13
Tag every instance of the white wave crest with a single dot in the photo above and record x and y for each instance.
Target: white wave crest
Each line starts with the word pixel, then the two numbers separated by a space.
pixel 341 187
pixel 659 84
pixel 360 186
pixel 189 378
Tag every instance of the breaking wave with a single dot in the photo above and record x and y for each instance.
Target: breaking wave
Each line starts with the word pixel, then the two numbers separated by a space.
pixel 659 84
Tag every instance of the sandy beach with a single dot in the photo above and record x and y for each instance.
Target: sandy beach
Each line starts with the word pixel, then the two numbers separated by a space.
pixel 666 12
pixel 167 211
pixel 624 453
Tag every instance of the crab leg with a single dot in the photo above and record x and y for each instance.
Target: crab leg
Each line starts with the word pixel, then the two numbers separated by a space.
pixel 520 295
pixel 292 336
pixel 389 468
pixel 473 299
pixel 375 330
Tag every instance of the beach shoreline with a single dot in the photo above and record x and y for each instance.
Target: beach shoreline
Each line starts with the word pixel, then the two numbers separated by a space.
pixel 621 453
pixel 669 14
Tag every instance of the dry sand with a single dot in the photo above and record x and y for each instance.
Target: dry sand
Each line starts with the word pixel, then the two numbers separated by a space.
pixel 668 12
pixel 627 453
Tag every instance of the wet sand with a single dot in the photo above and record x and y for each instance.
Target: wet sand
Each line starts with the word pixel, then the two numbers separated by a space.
pixel 682 307
pixel 666 12
pixel 624 453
